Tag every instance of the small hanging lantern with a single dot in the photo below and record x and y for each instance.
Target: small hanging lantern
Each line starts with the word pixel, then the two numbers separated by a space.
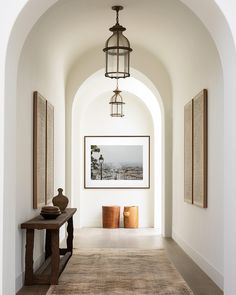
pixel 117 50
pixel 117 103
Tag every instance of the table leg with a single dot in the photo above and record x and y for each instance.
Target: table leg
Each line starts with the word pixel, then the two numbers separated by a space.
pixel 29 262
pixel 48 248
pixel 70 231
pixel 55 257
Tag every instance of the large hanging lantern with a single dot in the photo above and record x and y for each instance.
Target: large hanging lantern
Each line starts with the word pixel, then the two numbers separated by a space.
pixel 117 103
pixel 117 50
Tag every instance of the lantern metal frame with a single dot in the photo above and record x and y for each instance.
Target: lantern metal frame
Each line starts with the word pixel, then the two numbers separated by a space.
pixel 117 103
pixel 118 51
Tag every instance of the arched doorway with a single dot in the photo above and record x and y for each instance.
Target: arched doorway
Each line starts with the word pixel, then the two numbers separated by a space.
pixel 82 105
pixel 15 41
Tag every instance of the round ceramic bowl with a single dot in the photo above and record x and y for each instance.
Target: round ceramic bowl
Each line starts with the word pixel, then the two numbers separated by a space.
pixel 49 215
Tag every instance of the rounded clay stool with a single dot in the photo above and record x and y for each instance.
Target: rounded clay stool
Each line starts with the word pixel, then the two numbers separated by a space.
pixel 111 216
pixel 131 217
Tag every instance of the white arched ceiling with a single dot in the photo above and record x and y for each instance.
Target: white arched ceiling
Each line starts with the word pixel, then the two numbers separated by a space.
pixel 152 100
pixel 26 14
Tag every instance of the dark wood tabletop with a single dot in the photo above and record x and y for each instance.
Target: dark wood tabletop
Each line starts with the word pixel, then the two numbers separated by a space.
pixel 39 222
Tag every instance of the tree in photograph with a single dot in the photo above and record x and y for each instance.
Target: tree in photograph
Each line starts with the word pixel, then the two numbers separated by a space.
pixel 94 162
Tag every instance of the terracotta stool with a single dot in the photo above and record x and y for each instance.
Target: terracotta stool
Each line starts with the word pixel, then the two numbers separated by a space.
pixel 111 216
pixel 131 217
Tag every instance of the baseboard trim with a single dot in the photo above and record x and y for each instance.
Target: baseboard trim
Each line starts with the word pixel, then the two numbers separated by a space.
pixel 20 281
pixel 210 270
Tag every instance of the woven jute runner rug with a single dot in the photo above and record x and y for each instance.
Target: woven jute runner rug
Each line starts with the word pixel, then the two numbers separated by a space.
pixel 120 271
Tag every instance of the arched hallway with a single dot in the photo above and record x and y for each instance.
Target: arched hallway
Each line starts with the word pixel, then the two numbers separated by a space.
pixel 186 55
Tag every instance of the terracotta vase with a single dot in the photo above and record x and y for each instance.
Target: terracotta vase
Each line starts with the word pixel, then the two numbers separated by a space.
pixel 60 200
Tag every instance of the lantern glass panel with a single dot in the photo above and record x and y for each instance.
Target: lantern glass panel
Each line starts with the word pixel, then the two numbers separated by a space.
pixel 117 110
pixel 117 63
pixel 117 49
pixel 117 39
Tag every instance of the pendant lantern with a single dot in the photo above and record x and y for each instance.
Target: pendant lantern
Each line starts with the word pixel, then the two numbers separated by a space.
pixel 117 50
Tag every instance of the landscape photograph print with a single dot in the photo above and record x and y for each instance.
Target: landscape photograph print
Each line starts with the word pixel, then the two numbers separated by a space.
pixel 117 161
pixel 110 162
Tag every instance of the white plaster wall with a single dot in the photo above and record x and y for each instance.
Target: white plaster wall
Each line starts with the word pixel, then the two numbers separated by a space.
pixel 38 71
pixel 225 42
pixel 200 231
pixel 9 12
pixel 95 119
pixel 17 19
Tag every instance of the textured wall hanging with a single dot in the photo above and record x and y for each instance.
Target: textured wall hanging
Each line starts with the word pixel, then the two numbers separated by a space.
pixel 195 155
pixel 43 151
pixel 188 152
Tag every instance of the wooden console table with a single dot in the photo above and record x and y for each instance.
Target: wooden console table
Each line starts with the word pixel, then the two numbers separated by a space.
pixel 52 249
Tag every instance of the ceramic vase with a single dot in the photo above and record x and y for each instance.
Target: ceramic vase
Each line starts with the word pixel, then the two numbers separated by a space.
pixel 60 200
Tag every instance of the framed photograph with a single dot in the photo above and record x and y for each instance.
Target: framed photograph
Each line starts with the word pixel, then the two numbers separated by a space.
pixel 200 149
pixel 188 152
pixel 117 162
